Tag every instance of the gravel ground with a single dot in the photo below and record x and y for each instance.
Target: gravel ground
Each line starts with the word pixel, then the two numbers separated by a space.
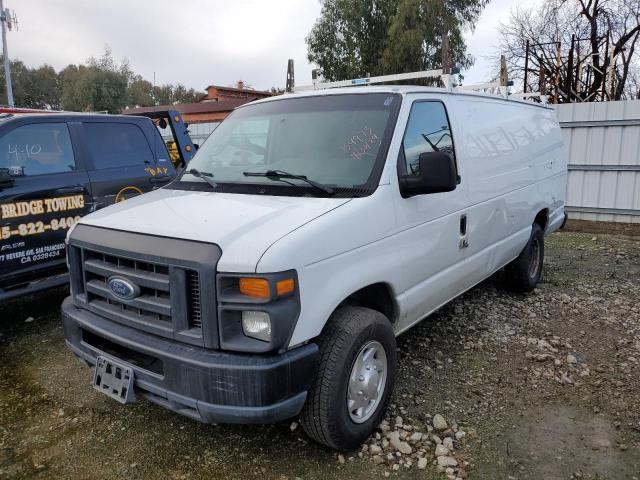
pixel 493 386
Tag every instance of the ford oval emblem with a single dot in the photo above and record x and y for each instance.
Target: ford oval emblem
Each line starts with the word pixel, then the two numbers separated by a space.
pixel 122 288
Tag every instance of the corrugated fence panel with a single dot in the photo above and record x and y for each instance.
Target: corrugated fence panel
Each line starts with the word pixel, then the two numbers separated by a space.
pixel 604 160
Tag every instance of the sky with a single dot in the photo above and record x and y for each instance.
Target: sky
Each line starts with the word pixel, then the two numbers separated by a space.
pixel 198 42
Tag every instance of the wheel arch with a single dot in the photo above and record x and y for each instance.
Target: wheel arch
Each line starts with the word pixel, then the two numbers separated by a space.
pixel 542 219
pixel 376 296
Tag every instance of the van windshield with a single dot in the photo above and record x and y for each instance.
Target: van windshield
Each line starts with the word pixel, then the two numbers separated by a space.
pixel 335 141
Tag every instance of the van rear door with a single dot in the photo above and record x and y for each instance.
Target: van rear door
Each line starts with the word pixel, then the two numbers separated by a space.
pixel 122 161
pixel 45 190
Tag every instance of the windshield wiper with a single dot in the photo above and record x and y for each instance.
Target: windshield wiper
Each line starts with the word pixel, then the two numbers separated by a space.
pixel 206 176
pixel 281 174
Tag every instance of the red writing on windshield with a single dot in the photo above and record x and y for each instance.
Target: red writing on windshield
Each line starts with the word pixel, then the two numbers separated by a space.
pixel 361 143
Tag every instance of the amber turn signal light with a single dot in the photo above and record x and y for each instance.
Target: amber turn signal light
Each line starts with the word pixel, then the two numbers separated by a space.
pixel 255 287
pixel 283 287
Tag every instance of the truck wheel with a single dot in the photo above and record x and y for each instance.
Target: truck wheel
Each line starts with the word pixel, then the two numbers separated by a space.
pixel 524 272
pixel 354 380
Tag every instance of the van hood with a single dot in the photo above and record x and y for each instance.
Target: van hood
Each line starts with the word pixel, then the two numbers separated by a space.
pixel 243 226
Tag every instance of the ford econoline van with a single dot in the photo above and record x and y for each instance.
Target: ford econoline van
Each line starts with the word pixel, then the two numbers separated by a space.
pixel 271 278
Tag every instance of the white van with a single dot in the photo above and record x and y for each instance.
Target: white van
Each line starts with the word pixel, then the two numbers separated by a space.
pixel 271 278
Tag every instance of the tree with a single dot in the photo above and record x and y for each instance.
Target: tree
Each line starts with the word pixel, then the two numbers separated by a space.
pixel 101 85
pixel 355 38
pixel 590 34
pixel 140 92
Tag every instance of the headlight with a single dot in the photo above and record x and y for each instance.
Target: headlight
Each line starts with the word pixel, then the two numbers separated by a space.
pixel 257 312
pixel 256 325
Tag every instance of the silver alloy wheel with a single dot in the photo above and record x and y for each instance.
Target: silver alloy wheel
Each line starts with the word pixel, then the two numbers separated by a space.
pixel 367 381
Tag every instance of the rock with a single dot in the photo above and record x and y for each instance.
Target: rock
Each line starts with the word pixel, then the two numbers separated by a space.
pixel 374 449
pixel 571 359
pixel 439 423
pixel 378 460
pixel 293 426
pixel 542 357
pixel 447 462
pixel 422 463
pixel 441 451
pixel 341 459
pixel 29 320
pixel 448 443
pixel 415 437
pixel 460 435
pixel 564 379
pixel 398 422
pixel 436 439
pixel 402 447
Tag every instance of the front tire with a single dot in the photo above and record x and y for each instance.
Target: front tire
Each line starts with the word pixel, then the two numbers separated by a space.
pixel 523 274
pixel 354 381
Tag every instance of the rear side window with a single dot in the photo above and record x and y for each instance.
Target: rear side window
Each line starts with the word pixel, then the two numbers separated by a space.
pixel 37 149
pixel 117 145
pixel 428 130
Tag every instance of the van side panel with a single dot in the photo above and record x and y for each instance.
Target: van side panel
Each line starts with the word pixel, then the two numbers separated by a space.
pixel 514 155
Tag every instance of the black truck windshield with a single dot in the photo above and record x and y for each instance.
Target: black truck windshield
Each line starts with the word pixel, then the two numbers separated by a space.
pixel 336 142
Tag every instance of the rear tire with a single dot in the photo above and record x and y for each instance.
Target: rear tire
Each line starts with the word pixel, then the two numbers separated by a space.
pixel 523 274
pixel 357 363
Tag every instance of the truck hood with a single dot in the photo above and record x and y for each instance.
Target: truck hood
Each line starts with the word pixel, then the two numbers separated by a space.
pixel 243 226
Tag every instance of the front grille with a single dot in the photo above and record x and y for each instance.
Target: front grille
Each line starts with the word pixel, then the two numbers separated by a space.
pixel 176 278
pixel 169 303
pixel 152 306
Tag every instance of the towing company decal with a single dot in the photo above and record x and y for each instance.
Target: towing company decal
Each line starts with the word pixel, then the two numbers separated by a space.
pixel 127 191
pixel 33 231
pixel 38 207
pixel 154 171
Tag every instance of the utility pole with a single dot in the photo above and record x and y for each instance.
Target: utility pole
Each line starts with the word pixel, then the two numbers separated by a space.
pixel 5 18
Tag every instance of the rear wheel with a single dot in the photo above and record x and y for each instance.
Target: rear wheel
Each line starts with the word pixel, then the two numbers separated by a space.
pixel 354 380
pixel 524 272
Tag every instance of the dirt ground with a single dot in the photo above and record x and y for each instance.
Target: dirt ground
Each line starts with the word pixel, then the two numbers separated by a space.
pixel 546 386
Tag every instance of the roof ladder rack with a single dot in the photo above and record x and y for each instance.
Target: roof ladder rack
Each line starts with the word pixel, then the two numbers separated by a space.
pixel 370 80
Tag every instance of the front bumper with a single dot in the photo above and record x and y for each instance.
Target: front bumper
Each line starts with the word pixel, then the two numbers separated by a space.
pixel 207 385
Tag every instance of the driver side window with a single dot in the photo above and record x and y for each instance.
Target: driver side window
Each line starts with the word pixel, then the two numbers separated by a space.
pixel 37 149
pixel 427 130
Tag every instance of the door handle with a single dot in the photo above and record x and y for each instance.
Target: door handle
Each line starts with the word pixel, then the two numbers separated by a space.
pixel 464 240
pixel 68 190
pixel 463 225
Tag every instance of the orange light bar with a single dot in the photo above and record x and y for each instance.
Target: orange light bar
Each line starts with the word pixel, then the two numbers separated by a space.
pixel 255 287
pixel 284 287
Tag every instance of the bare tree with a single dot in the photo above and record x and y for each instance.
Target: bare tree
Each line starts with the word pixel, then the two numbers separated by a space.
pixel 578 50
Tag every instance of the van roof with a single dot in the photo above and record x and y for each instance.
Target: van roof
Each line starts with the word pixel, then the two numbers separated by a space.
pixel 401 89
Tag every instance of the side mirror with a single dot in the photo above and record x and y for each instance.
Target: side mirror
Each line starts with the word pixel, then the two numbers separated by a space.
pixel 437 174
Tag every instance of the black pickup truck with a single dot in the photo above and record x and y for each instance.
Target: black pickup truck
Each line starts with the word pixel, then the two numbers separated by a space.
pixel 55 168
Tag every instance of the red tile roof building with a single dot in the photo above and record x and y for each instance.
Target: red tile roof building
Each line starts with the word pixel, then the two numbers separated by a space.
pixel 214 106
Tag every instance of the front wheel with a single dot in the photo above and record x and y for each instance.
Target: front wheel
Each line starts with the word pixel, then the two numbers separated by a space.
pixel 525 271
pixel 354 380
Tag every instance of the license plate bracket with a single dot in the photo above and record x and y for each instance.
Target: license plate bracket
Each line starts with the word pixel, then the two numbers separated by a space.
pixel 114 380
